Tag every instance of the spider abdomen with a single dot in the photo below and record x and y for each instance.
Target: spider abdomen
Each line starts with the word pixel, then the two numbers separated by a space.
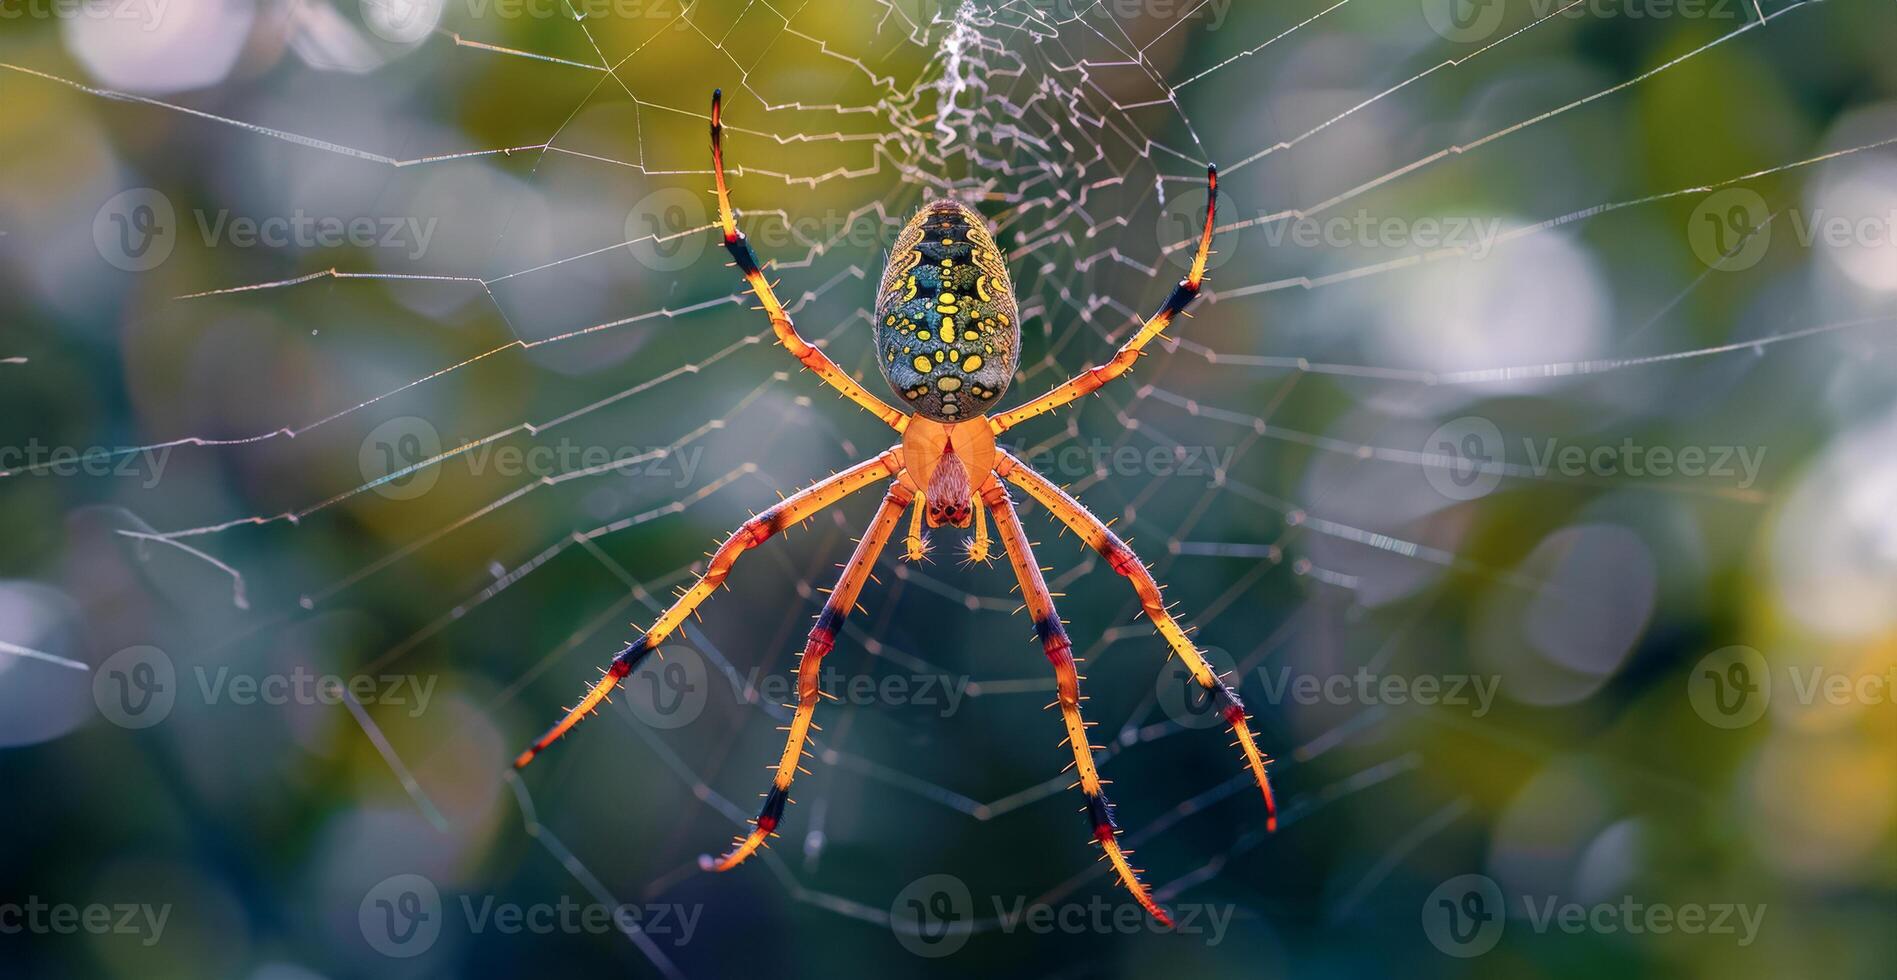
pixel 948 333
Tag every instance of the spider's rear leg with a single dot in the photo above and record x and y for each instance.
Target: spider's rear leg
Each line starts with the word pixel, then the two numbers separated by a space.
pixel 1121 559
pixel 1060 653
pixel 809 676
pixel 750 534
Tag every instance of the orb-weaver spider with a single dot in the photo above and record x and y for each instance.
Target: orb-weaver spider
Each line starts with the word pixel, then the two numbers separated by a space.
pixel 947 334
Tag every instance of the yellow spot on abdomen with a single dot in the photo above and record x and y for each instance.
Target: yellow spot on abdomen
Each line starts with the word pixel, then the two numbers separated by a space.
pixel 923 363
pixel 973 363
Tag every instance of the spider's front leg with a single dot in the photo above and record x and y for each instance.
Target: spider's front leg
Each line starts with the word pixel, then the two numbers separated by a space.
pixel 791 510
pixel 823 637
pixel 747 262
pixel 1121 559
pixel 1060 653
pixel 1093 378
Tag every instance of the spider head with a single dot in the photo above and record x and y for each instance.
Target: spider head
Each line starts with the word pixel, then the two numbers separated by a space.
pixel 948 497
pixel 958 513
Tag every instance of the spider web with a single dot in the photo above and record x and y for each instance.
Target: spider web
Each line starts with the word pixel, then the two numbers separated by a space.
pixel 1083 136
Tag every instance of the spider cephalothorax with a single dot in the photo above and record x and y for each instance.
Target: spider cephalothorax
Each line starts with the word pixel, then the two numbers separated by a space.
pixel 947 338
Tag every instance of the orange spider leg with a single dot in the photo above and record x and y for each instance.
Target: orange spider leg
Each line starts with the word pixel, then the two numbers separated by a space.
pixel 823 637
pixel 916 545
pixel 1122 559
pixel 1093 378
pixel 1060 653
pixel 791 510
pixel 747 262
pixel 979 548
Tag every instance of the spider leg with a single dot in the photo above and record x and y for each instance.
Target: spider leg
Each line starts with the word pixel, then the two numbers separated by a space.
pixel 1086 382
pixel 1060 653
pixel 790 511
pixel 747 262
pixel 809 691
pixel 916 545
pixel 1122 559
pixel 979 549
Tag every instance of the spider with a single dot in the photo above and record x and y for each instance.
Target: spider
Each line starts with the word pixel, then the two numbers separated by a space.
pixel 947 337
